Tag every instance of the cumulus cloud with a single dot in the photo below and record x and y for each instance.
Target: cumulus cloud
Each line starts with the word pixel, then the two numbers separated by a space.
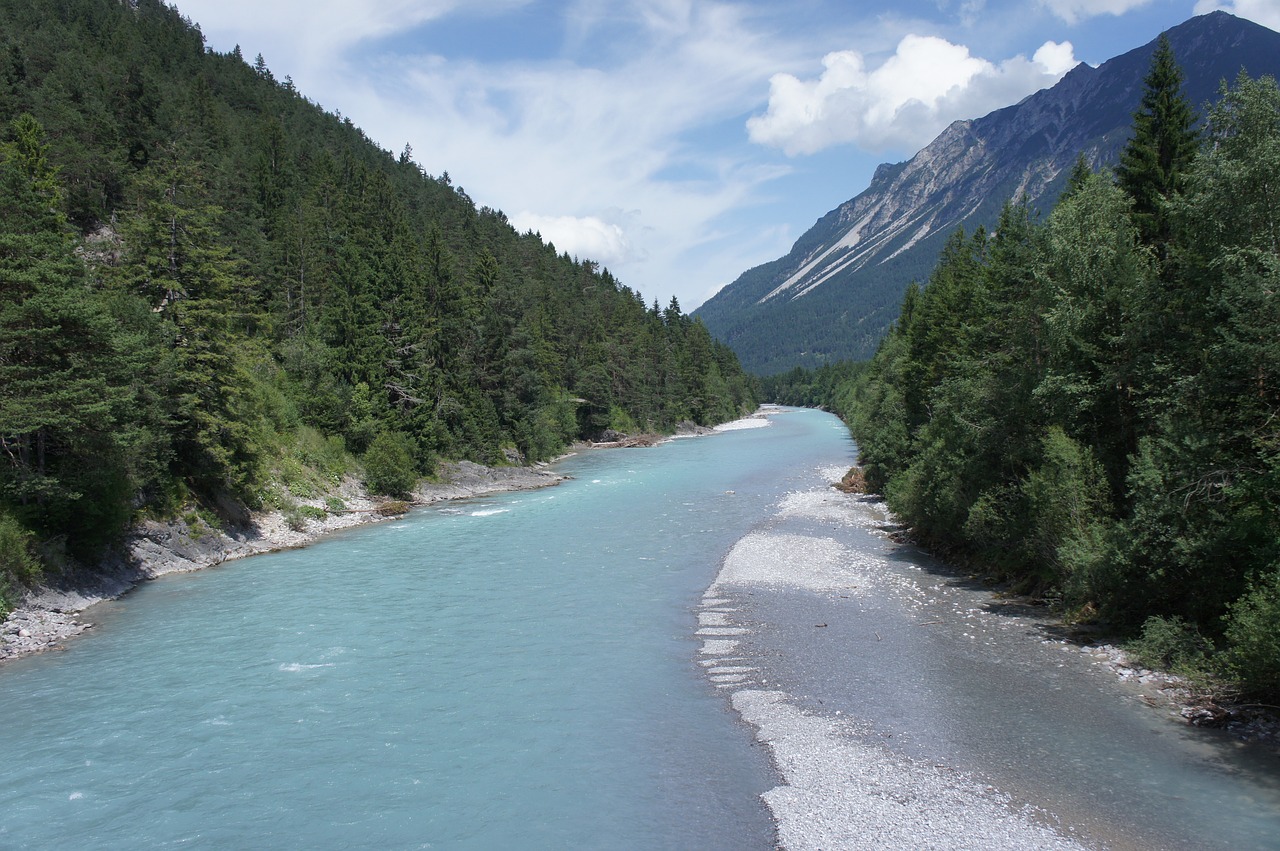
pixel 1073 11
pixel 579 236
pixel 928 83
pixel 1265 12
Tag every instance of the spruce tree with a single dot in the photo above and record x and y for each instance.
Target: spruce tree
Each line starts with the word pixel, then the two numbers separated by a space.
pixel 1080 173
pixel 173 257
pixel 63 394
pixel 1154 165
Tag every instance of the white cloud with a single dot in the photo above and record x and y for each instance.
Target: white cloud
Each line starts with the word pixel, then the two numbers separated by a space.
pixel 1265 12
pixel 297 34
pixel 582 237
pixel 565 142
pixel 1073 11
pixel 902 105
pixel 1057 59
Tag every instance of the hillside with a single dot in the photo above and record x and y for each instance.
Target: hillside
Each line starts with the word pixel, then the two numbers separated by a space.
pixel 215 293
pixel 838 290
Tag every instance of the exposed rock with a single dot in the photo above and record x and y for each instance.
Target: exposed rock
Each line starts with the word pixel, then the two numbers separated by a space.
pixel 688 428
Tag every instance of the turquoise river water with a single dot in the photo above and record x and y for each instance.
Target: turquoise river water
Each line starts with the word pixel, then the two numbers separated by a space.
pixel 519 671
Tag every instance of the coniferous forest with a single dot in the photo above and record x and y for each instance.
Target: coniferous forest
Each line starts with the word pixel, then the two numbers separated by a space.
pixel 210 286
pixel 1087 405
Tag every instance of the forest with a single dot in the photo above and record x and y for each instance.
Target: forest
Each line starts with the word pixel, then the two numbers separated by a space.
pixel 214 293
pixel 1086 406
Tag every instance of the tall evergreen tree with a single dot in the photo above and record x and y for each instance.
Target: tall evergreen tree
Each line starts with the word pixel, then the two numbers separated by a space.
pixel 62 392
pixel 174 259
pixel 1154 165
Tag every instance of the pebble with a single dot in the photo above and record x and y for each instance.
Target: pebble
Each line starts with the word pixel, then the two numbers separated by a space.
pixel 843 792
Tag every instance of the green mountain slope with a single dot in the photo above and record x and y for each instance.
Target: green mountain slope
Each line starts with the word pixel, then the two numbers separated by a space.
pixel 204 271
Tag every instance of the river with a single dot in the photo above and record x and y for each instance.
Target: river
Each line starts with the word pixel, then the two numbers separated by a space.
pixel 548 669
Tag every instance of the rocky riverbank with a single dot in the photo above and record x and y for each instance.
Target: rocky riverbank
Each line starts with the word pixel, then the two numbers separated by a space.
pixel 906 705
pixel 52 614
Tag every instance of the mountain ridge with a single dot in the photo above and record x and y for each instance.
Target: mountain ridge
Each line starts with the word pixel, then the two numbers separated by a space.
pixel 836 292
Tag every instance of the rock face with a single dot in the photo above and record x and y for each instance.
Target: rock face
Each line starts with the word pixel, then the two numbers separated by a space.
pixel 838 290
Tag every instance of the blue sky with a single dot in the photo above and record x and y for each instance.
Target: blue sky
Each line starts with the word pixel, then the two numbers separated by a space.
pixel 677 142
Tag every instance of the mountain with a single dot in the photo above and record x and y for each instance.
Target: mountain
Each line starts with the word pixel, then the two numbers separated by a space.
pixel 214 293
pixel 838 290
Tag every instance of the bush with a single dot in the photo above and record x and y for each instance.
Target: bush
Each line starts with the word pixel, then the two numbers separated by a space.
pixel 294 519
pixel 1173 645
pixel 326 455
pixel 18 565
pixel 1068 504
pixel 1253 636
pixel 389 466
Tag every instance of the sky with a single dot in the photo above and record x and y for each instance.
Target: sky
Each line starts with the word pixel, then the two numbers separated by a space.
pixel 676 142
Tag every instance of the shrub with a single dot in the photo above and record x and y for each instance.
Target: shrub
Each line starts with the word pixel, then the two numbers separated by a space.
pixel 388 465
pixel 1172 644
pixel 326 455
pixel 18 565
pixel 1253 636
pixel 1068 504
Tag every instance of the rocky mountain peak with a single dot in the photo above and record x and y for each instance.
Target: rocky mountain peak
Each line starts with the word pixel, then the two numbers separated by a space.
pixel 837 290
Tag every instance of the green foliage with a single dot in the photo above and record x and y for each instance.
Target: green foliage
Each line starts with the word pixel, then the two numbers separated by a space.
pixel 19 566
pixel 1253 635
pixel 64 387
pixel 1173 645
pixel 389 466
pixel 207 284
pixel 1154 164
pixel 1087 406
pixel 326 455
pixel 1069 506
pixel 809 388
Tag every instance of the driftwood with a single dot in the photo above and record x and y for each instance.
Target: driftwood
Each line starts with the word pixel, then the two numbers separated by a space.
pixel 854 481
